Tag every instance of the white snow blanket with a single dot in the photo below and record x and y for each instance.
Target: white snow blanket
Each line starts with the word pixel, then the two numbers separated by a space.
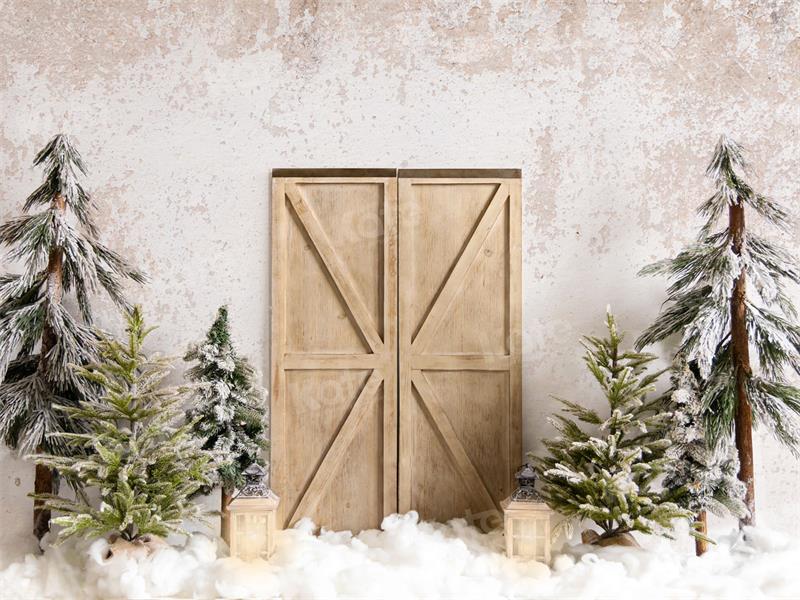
pixel 408 559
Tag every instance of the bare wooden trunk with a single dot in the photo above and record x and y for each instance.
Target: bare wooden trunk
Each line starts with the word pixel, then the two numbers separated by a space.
pixel 55 291
pixel 701 546
pixel 741 360
pixel 225 515
pixel 43 482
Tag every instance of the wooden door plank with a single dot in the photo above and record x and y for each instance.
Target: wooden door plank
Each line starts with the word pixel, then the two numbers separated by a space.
pixel 336 451
pixel 277 411
pixel 332 361
pixel 449 438
pixel 390 287
pixel 461 362
pixel 405 308
pixel 460 174
pixel 341 278
pixel 457 276
pixel 348 174
pixel 514 326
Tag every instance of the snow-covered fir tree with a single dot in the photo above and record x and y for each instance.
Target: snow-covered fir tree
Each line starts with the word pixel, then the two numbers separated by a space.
pixel 702 477
pixel 141 458
pixel 604 469
pixel 60 258
pixel 228 408
pixel 727 300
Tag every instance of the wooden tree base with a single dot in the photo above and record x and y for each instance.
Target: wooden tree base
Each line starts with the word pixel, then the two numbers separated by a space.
pixel 621 539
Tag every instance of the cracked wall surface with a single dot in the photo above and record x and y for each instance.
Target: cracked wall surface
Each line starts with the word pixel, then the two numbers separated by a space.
pixel 611 108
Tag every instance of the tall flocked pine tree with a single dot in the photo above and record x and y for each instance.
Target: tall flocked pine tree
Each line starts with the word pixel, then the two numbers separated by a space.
pixel 228 409
pixel 604 469
pixel 728 302
pixel 60 256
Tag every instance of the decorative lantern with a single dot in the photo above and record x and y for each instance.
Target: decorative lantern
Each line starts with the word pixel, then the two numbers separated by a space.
pixel 526 520
pixel 253 518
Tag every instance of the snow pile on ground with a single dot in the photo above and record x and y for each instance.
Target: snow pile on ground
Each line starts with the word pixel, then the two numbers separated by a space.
pixel 412 560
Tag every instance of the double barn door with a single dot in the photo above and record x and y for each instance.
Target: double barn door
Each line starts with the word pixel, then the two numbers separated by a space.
pixel 395 343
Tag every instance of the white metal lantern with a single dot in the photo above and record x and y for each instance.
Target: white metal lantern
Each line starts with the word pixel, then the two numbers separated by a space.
pixel 526 520
pixel 253 517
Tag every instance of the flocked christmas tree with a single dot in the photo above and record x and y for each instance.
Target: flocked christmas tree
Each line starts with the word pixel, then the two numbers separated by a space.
pixel 228 407
pixel 701 477
pixel 140 455
pixel 604 468
pixel 727 301
pixel 60 257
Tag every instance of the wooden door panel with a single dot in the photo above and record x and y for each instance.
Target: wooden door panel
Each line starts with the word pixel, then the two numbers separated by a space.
pixel 334 357
pixel 459 341
pixel 476 404
pixel 321 400
pixel 434 230
pixel 313 295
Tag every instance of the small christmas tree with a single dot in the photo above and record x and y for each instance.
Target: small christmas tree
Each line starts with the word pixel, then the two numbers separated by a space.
pixel 228 407
pixel 727 299
pixel 144 465
pixel 61 256
pixel 701 477
pixel 608 477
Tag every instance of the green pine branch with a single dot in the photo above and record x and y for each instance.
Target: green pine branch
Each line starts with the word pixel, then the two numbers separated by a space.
pixel 698 306
pixel 607 474
pixel 229 412
pixel 58 222
pixel 137 452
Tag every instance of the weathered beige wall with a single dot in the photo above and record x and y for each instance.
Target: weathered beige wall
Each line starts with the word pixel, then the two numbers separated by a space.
pixel 611 109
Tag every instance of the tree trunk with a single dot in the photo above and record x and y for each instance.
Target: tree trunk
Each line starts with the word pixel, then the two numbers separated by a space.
pixel 701 546
pixel 43 483
pixel 740 348
pixel 55 291
pixel 225 517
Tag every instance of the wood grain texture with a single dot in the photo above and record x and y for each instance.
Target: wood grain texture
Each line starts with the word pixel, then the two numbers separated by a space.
pixel 335 453
pixel 459 344
pixel 334 358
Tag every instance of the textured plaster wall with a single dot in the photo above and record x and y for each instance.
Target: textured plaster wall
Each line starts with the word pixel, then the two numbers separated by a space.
pixel 611 109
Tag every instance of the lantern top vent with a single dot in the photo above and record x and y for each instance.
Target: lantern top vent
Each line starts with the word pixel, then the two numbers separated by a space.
pixel 255 483
pixel 526 485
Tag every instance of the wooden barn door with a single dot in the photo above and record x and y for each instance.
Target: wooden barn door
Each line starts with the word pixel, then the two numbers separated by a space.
pixel 334 345
pixel 459 341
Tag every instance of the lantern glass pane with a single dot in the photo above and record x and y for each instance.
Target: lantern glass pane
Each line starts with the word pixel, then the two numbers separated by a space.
pixel 251 532
pixel 529 537
pixel 524 538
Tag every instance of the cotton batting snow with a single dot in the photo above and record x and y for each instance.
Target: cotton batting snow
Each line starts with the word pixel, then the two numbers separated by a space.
pixel 408 559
